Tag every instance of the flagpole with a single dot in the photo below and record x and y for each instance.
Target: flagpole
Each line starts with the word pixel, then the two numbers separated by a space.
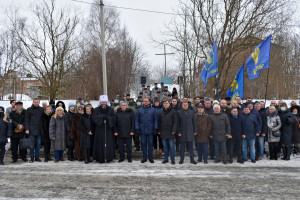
pixel 267 86
pixel 218 87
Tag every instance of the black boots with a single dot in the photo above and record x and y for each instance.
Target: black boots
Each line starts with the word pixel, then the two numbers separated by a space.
pixel 286 153
pixel 31 159
pixel 70 154
pixel 38 159
pixel 46 158
pixel 87 158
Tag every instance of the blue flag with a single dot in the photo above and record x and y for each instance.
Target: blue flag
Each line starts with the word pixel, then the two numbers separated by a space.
pixel 259 59
pixel 237 86
pixel 211 65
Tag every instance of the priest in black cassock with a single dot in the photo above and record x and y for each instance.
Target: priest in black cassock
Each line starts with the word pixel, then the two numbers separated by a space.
pixel 103 119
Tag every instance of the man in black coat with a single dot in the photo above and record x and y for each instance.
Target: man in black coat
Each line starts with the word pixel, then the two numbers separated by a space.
pixel 33 120
pixel 260 139
pixel 124 129
pixel 17 118
pixel 167 127
pixel 209 110
pixel 187 130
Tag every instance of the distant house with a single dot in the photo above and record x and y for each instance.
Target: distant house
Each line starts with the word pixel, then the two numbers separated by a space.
pixel 18 84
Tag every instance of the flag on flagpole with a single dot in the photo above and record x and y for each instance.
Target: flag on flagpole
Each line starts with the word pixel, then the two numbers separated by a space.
pixel 259 59
pixel 237 85
pixel 210 67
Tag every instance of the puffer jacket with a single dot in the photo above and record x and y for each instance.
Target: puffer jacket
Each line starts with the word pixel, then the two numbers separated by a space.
pixel 167 123
pixel 273 122
pixel 146 120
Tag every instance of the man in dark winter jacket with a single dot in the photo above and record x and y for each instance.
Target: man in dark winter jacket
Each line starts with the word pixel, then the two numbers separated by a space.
pixel 237 130
pixel 209 110
pixel 251 130
pixel 220 131
pixel 187 129
pixel 17 118
pixel 33 120
pixel 124 130
pixel 260 139
pixel 5 133
pixel 167 127
pixel 146 123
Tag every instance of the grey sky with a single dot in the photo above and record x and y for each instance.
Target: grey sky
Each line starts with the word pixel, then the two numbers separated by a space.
pixel 140 24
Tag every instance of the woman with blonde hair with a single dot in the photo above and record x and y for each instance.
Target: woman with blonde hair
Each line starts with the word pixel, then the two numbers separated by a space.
pixel 274 125
pixel 58 134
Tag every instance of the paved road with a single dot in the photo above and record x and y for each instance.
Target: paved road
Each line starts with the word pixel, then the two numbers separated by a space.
pixel 75 180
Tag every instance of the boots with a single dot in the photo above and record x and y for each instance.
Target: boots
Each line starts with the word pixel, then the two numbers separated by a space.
pixel 49 157
pixel 70 154
pixel 31 159
pixel 86 156
pixel 89 155
pixel 284 153
pixel 46 158
pixel 288 153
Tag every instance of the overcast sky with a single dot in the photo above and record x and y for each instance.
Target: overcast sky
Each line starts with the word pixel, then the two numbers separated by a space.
pixel 140 24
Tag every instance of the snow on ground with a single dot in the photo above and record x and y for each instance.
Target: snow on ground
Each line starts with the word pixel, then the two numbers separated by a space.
pixel 75 180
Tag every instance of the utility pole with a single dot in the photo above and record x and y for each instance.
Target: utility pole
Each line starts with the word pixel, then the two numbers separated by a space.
pixel 165 54
pixel 103 48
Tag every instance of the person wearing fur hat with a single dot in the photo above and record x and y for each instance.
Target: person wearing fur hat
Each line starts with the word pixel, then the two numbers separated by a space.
pixel 17 118
pixel 76 134
pixel 68 124
pixel 5 133
pixel 103 119
pixel 57 134
pixel 124 130
pixel 45 132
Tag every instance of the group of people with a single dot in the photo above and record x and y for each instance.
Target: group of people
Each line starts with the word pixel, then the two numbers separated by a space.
pixel 222 130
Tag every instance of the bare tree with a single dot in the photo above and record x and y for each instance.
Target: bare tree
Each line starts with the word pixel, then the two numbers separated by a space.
pixel 49 44
pixel 232 24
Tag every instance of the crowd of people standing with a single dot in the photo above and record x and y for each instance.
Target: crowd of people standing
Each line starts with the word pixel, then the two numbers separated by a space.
pixel 157 121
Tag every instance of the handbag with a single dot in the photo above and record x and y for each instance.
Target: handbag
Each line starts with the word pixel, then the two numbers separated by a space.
pixel 26 143
pixel 276 133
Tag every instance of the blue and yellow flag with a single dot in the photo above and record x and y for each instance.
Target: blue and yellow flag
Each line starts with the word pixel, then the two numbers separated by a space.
pixel 259 59
pixel 211 65
pixel 237 86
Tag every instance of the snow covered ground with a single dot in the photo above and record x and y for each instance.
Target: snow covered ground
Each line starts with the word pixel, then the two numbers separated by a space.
pixel 75 180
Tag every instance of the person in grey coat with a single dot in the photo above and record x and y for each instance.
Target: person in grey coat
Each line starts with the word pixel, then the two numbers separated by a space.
pixel 220 131
pixel 57 133
pixel 187 129
pixel 274 124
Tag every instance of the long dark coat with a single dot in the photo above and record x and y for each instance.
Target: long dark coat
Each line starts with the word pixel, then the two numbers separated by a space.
pixel 124 122
pixel 33 120
pixel 76 136
pixel 68 119
pixel 167 123
pixel 204 128
pixel 57 130
pixel 5 130
pixel 103 134
pixel 286 129
pixel 45 127
pixel 187 125
pixel 16 119
pixel 86 139
pixel 296 131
